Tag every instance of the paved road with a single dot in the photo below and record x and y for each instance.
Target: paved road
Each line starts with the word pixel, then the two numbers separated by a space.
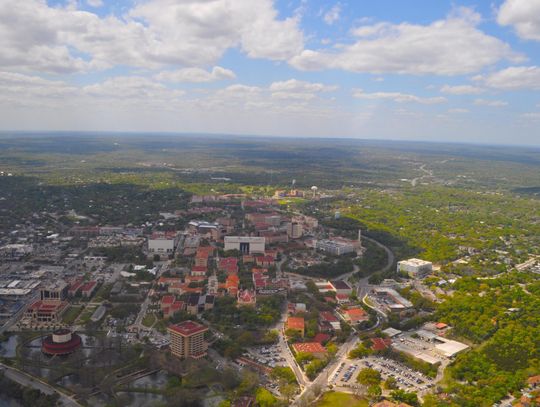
pixel 321 381
pixel 34 382
pixel 301 378
pixel 389 254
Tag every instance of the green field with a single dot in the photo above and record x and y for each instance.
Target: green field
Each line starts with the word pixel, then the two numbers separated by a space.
pixel 334 399
pixel 71 314
pixel 149 320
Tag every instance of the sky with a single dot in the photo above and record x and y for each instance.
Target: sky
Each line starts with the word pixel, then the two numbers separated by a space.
pixel 434 70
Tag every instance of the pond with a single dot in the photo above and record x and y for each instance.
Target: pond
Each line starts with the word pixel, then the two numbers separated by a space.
pixel 139 399
pixel 156 380
pixel 8 349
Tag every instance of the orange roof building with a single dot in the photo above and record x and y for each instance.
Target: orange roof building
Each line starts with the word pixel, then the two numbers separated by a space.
pixel 355 315
pixel 231 284
pixel 296 323
pixel 313 348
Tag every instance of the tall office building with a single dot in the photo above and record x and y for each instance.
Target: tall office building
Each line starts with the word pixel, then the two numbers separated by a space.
pixel 187 340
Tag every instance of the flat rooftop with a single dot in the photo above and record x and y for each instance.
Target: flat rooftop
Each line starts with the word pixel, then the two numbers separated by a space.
pixel 187 328
pixel 415 262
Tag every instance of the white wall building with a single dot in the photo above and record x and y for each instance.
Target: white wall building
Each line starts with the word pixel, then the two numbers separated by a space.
pixel 162 244
pixel 415 267
pixel 337 248
pixel 245 244
pixel 294 230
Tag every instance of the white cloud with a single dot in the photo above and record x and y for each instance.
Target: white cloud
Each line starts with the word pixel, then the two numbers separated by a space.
pixel 332 15
pixel 490 103
pixel 451 46
pixel 532 116
pixel 294 85
pixel 523 15
pixel 513 78
pixel 461 90
pixel 153 34
pixel 295 89
pixel 95 3
pixel 398 97
pixel 27 90
pixel 196 75
pixel 458 110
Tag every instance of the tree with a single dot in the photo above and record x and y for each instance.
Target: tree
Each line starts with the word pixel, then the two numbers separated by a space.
pixel 374 392
pixel 369 377
pixel 293 334
pixel 302 357
pixel 288 391
pixel 390 383
pixel 359 352
pixel 264 398
pixel 283 373
pixel 405 397
pixel 249 382
pixel 332 349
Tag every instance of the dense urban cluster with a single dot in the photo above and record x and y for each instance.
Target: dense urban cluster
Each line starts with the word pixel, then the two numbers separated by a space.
pixel 229 283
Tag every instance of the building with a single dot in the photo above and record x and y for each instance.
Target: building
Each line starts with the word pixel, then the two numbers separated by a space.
pixel 213 285
pixel 328 322
pixel 15 251
pixel 228 265
pixel 174 308
pixel 355 315
pixel 61 342
pixel 341 287
pixel 391 300
pixel 296 324
pixel 246 298
pixel 192 304
pixel 199 271
pixel 42 312
pixel 380 344
pixel 245 244
pixel 334 247
pixel 386 403
pixel 294 230
pixel 210 229
pixel 88 289
pixel 313 348
pixel 187 340
pixel 162 243
pixel 167 301
pixel 415 268
pixel 54 292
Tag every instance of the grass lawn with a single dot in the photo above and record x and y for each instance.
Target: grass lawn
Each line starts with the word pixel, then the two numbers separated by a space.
pixel 103 293
pixel 332 399
pixel 85 316
pixel 148 320
pixel 71 314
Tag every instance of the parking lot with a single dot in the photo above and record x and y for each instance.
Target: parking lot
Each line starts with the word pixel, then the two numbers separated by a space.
pixel 267 355
pixel 406 378
pixel 345 374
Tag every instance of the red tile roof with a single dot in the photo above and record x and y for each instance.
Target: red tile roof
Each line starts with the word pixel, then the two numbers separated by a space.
pixel 534 380
pixel 380 343
pixel 357 314
pixel 328 316
pixel 321 338
pixel 89 286
pixel 188 328
pixel 295 323
pixel 309 347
